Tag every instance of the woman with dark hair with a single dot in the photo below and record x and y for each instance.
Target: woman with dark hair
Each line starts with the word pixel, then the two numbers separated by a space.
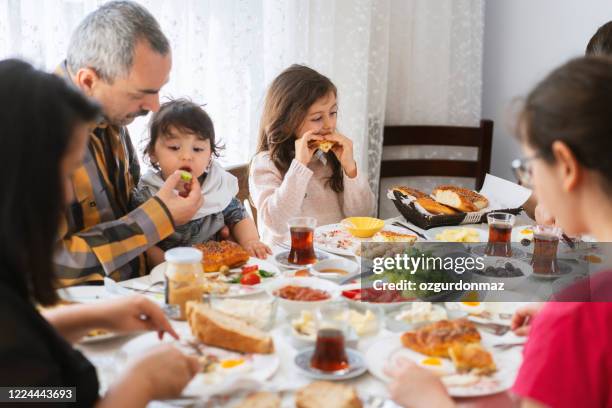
pixel 566 133
pixel 293 173
pixel 45 126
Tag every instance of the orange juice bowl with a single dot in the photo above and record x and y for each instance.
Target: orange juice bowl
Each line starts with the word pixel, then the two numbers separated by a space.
pixel 362 227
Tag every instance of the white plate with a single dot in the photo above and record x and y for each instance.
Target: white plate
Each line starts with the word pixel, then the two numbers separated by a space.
pixel 385 351
pixel 262 366
pixel 83 294
pixel 235 290
pixel 334 238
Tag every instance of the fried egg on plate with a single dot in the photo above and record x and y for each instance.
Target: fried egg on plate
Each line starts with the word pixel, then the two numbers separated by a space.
pixel 439 366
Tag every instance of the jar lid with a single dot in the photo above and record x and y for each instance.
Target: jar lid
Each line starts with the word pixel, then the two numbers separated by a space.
pixel 183 255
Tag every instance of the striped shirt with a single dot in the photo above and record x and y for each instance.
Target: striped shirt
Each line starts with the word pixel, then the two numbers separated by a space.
pixel 101 237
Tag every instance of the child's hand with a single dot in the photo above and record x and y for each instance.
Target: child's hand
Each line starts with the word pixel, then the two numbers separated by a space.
pixel 343 149
pixel 303 153
pixel 258 249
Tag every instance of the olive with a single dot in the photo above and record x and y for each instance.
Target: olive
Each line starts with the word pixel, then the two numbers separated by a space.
pixel 525 242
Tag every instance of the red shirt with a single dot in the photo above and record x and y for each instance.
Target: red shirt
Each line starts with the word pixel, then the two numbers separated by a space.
pixel 567 361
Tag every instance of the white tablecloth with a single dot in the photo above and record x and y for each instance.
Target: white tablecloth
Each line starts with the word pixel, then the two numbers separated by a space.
pixel 109 360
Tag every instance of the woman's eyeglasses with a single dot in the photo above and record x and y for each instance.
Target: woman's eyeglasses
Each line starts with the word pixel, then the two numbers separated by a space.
pixel 523 169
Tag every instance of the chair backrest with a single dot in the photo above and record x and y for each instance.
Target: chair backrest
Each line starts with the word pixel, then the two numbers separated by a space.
pixel 241 172
pixel 480 137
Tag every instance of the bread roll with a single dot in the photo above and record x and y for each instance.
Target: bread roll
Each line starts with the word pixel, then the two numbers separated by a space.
pixel 410 192
pixel 460 198
pixel 433 207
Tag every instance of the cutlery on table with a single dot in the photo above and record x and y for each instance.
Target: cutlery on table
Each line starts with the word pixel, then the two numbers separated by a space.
pixel 493 328
pixel 507 346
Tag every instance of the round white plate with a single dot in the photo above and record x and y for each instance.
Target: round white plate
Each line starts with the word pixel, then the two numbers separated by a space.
pixel 384 352
pixel 235 290
pixel 83 294
pixel 261 366
pixel 334 238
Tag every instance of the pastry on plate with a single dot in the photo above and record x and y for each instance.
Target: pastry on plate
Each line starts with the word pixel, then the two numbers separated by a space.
pixel 435 339
pixel 460 198
pixel 219 329
pixel 224 253
pixel 433 207
pixel 472 358
pixel 391 236
pixel 327 394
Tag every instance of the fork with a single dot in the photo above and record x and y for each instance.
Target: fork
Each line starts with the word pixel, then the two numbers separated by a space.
pixel 507 346
pixel 493 328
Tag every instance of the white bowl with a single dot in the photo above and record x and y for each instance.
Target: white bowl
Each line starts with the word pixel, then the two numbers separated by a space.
pixel 350 267
pixel 294 307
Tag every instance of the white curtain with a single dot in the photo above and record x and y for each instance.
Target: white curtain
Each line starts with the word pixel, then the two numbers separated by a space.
pixel 394 62
pixel 435 78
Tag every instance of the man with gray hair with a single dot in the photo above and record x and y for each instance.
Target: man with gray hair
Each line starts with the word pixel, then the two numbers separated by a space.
pixel 119 57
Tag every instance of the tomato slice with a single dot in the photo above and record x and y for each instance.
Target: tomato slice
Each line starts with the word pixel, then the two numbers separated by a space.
pixel 352 294
pixel 249 269
pixel 250 279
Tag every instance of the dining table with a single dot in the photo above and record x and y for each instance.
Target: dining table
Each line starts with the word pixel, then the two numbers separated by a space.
pixel 110 358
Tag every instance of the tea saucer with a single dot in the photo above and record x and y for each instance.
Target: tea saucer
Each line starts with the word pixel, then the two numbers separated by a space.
pixel 282 259
pixel 357 366
pixel 517 252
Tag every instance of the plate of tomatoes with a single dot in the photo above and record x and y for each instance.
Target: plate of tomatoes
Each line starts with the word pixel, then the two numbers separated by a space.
pixel 250 278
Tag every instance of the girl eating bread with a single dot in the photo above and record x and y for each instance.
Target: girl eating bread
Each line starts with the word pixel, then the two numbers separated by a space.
pixel 303 165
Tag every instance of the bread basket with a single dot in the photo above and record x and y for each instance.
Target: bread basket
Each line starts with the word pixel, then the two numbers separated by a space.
pixel 426 221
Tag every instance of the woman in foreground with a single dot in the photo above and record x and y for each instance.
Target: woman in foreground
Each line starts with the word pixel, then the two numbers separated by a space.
pixel 566 136
pixel 43 137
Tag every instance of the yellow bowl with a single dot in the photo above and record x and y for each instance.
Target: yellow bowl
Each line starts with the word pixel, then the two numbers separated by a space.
pixel 362 227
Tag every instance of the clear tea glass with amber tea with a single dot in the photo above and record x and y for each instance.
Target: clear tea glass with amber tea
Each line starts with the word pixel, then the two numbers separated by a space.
pixel 302 240
pixel 330 350
pixel 500 233
pixel 545 244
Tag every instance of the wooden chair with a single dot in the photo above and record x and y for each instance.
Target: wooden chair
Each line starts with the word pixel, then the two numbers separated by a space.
pixel 480 137
pixel 241 172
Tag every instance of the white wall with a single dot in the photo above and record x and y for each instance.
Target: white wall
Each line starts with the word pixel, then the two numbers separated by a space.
pixel 524 40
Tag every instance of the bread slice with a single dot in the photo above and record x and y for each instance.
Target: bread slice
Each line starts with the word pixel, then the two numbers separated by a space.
pixel 460 198
pixel 323 145
pixel 409 192
pixel 218 329
pixel 327 394
pixel 433 207
pixel 260 400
